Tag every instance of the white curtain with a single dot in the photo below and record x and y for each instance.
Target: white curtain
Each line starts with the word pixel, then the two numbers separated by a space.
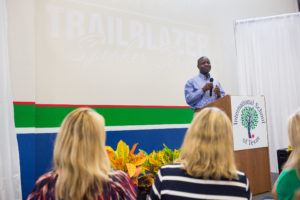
pixel 268 63
pixel 10 185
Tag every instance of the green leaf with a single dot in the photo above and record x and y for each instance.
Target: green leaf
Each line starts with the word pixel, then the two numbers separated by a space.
pixel 143 152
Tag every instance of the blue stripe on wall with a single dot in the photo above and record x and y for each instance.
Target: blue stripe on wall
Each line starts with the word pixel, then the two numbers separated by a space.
pixel 36 150
pixel 148 140
pixel 27 162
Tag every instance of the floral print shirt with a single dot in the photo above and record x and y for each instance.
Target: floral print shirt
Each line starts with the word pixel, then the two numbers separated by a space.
pixel 118 187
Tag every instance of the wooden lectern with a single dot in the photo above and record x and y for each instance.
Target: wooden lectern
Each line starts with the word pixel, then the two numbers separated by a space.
pixel 254 162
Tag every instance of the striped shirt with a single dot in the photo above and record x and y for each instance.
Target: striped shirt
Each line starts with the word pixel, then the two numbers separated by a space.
pixel 172 182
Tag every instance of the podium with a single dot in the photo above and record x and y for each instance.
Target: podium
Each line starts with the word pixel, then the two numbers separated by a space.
pixel 250 148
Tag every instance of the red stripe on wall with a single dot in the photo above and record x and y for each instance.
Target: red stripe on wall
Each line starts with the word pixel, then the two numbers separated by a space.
pixel 93 106
pixel 23 103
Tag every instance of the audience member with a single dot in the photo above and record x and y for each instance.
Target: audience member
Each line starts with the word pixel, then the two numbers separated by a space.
pixel 208 170
pixel 289 180
pixel 81 165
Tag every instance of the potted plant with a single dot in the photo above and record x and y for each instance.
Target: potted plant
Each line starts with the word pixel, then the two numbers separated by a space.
pixel 141 167
pixel 126 160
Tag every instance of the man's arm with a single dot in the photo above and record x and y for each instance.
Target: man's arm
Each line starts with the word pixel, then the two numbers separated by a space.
pixel 192 94
pixel 222 91
pixel 218 90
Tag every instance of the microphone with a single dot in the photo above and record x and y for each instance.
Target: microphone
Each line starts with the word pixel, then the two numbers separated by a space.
pixel 210 91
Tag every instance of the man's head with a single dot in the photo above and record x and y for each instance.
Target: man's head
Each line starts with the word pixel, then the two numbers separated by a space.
pixel 204 65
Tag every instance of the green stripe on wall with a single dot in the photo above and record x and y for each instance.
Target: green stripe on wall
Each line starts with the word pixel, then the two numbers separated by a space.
pixel 24 115
pixel 47 117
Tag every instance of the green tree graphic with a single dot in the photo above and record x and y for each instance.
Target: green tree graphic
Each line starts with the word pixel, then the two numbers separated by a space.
pixel 249 119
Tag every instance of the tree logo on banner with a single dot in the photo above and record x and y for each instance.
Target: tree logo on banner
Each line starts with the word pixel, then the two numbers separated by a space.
pixel 248 122
pixel 249 119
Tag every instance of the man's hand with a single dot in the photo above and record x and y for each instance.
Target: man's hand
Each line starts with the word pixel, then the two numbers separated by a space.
pixel 207 86
pixel 217 91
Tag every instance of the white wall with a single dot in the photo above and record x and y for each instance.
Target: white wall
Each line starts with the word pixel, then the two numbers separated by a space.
pixel 54 70
pixel 21 36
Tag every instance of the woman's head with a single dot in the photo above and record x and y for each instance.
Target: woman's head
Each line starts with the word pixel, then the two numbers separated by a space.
pixel 207 149
pixel 80 155
pixel 294 130
pixel 294 137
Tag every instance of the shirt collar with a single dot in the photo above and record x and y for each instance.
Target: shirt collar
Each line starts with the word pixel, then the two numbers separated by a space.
pixel 202 76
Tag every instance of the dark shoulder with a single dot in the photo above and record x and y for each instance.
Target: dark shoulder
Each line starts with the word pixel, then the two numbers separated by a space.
pixel 172 170
pixel 49 177
pixel 242 177
pixel 119 176
pixel 44 186
pixel 242 180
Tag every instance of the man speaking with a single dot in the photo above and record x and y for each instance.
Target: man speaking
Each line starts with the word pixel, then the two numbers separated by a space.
pixel 202 89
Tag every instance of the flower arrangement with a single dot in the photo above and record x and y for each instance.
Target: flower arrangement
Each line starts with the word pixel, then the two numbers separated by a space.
pixel 126 160
pixel 157 159
pixel 141 167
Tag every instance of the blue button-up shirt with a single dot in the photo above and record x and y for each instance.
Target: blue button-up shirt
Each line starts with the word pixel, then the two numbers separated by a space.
pixel 194 94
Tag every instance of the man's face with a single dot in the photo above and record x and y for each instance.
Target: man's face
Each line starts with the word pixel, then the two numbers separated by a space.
pixel 204 66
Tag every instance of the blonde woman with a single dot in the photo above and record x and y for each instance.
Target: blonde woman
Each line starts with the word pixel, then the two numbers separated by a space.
pixel 208 170
pixel 289 180
pixel 81 165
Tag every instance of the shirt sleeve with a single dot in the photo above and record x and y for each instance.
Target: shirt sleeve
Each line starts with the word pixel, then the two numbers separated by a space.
pixel 248 191
pixel 222 92
pixel 155 193
pixel 41 189
pixel 35 193
pixel 192 94
pixel 284 185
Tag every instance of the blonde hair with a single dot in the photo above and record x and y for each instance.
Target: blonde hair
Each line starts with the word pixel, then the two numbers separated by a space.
pixel 294 137
pixel 80 156
pixel 207 149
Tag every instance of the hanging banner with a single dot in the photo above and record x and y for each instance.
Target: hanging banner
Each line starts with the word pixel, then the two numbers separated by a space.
pixel 249 122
